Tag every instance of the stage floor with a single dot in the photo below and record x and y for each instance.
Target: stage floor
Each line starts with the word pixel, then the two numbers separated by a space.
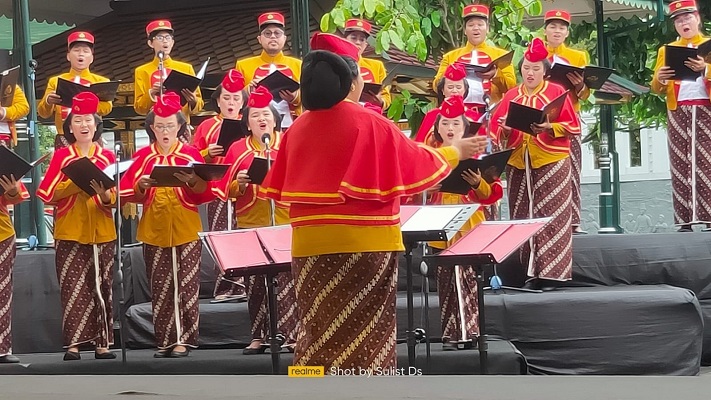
pixel 278 388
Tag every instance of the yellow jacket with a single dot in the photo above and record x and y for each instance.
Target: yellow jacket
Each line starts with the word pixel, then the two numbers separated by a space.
pixel 45 110
pixel 258 67
pixel 576 58
pixel 373 71
pixel 671 89
pixel 504 79
pixel 18 109
pixel 142 101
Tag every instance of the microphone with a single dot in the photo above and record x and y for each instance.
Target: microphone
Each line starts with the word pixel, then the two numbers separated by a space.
pixel 160 55
pixel 33 64
pixel 117 148
pixel 266 138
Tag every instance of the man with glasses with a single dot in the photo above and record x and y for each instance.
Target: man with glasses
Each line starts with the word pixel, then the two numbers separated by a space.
pixel 357 32
pixel 492 84
pixel 147 77
pixel 80 54
pixel 272 39
pixel 689 126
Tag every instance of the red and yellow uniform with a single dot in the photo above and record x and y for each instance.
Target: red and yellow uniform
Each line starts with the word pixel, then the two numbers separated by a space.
pixel 577 58
pixel 78 217
pixel 148 74
pixel 86 78
pixel 18 109
pixel 170 215
pixel 7 229
pixel 672 89
pixel 258 67
pixel 251 207
pixel 373 71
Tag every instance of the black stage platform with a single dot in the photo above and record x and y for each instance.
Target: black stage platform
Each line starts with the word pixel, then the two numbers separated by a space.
pixel 504 359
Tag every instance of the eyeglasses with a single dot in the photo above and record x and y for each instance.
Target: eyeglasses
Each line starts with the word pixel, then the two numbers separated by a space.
pixel 683 19
pixel 165 128
pixel 272 34
pixel 163 38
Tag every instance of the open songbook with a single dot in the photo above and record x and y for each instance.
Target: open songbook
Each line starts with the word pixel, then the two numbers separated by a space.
pixel 177 81
pixel 593 75
pixel 165 174
pixel 66 90
pixel 500 63
pixel 276 82
pixel 83 171
pixel 489 166
pixel 434 223
pixel 521 117
pixel 13 165
pixel 231 131
pixel 676 56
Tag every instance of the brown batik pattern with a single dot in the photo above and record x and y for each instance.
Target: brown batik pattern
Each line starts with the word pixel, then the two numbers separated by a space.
pixel 174 327
pixel 288 318
pixel 576 161
pixel 60 141
pixel 553 245
pixel 7 260
pixel 450 306
pixel 87 311
pixel 347 310
pixel 682 162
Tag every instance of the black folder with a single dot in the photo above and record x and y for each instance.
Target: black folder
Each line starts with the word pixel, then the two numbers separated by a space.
pixel 674 58
pixel 454 183
pixel 521 117
pixel 500 63
pixel 210 172
pixel 276 82
pixel 12 164
pixel 704 51
pixel 593 75
pixel 473 129
pixel 163 175
pixel 83 171
pixel 258 170
pixel 374 88
pixel 230 132
pixel 177 81
pixel 8 83
pixel 105 91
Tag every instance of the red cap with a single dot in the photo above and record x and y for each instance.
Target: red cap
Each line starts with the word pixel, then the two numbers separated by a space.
pixel 158 25
pixel 682 7
pixel 270 18
pixel 476 10
pixel 167 105
pixel 233 82
pixel 85 103
pixel 557 14
pixel 452 107
pixel 334 44
pixel 85 37
pixel 355 24
pixel 372 107
pixel 455 72
pixel 536 51
pixel 260 98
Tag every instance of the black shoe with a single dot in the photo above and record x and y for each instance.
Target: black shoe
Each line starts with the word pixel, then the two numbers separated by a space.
pixel 72 356
pixel 685 228
pixel 449 346
pixel 533 284
pixel 104 356
pixel 180 354
pixel 248 351
pixel 161 354
pixel 547 285
pixel 9 359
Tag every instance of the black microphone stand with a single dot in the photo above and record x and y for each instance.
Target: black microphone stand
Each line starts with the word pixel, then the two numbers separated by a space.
pixel 119 258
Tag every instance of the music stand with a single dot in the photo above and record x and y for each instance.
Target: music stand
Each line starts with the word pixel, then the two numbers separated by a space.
pixel 427 224
pixel 490 242
pixel 258 251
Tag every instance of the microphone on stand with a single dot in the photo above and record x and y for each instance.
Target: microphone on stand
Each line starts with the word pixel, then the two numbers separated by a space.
pixel 161 69
pixel 266 138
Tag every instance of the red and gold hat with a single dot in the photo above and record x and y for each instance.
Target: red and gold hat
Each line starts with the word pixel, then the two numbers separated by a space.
pixel 233 82
pixel 452 107
pixel 561 15
pixel 75 37
pixel 260 98
pixel 159 25
pixel 270 18
pixel 682 7
pixel 85 103
pixel 536 51
pixel 361 25
pixel 475 10
pixel 167 105
pixel 455 72
pixel 334 44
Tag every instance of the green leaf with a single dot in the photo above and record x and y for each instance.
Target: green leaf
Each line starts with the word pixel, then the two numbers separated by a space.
pixel 325 24
pixel 380 7
pixel 384 39
pixel 436 18
pixel 339 17
pixel 411 45
pixel 369 6
pixel 396 108
pixel 426 26
pixel 397 40
pixel 409 109
pixel 535 8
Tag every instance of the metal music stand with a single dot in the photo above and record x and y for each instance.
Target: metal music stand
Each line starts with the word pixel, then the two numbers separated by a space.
pixel 490 242
pixel 427 224
pixel 259 251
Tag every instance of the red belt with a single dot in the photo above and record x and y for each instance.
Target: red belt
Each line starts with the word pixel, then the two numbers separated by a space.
pixel 697 102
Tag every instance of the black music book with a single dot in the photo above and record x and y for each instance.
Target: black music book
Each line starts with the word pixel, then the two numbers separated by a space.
pixel 164 175
pixel 12 164
pixel 276 82
pixel 593 75
pixel 704 51
pixel 8 83
pixel 674 58
pixel 521 117
pixel 454 183
pixel 500 63
pixel 210 172
pixel 105 91
pixel 177 81
pixel 374 88
pixel 258 170
pixel 83 171
pixel 230 132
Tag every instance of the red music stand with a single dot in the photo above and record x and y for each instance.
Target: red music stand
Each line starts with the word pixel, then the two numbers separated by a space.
pixel 490 242
pixel 259 251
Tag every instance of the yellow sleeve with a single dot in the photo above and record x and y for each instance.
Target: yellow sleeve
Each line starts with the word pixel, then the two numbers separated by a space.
pixel 585 93
pixel 483 191
pixel 657 86
pixel 65 189
pixel 242 68
pixel 200 103
pixel 44 109
pixel 19 108
pixel 385 91
pixel 505 79
pixel 450 154
pixel 446 60
pixel 559 130
pixel 142 102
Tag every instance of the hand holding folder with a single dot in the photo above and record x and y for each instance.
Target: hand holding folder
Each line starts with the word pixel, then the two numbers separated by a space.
pixel 66 90
pixel 12 165
pixel 231 131
pixel 677 58
pixel 258 170
pixel 593 76
pixel 83 172
pixel 523 118
pixel 501 62
pixel 166 175
pixel 276 82
pixel 490 167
